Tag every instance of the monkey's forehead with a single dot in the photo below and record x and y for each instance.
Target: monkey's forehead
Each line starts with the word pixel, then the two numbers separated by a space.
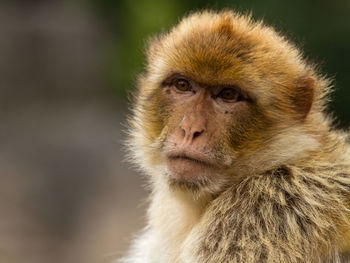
pixel 223 47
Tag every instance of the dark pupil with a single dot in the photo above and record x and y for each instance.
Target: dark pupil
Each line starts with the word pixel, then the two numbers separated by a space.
pixel 182 85
pixel 228 94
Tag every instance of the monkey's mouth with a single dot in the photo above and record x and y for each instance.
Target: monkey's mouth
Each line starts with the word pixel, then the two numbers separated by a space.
pixel 187 167
pixel 191 159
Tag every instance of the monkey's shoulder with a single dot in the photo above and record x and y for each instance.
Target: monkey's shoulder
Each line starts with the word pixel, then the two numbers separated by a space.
pixel 291 210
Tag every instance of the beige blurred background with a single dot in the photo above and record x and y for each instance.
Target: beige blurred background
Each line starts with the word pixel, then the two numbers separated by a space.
pixel 66 67
pixel 65 193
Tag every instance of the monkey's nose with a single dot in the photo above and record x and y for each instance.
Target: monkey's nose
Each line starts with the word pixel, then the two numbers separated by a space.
pixel 189 135
pixel 191 129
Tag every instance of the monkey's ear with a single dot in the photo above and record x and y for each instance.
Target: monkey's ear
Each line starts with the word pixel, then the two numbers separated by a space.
pixel 303 96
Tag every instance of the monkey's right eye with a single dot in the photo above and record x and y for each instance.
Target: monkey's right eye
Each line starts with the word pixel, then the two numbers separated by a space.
pixel 182 85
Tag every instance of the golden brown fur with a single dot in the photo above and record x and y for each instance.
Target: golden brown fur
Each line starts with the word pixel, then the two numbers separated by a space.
pixel 285 196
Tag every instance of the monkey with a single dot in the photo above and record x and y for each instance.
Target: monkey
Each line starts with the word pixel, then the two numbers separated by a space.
pixel 244 164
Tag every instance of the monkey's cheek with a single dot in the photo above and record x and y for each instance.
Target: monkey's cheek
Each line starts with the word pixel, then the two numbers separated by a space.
pixel 183 169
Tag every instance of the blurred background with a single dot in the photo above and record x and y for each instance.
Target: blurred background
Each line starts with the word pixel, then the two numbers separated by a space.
pixel 66 68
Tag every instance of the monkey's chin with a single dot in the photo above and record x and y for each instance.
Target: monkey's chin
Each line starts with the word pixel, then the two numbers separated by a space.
pixel 187 169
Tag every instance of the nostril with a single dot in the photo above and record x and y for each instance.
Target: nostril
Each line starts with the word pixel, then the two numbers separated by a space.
pixel 196 134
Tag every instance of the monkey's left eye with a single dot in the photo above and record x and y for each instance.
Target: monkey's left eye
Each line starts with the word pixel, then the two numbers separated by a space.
pixel 182 85
pixel 229 94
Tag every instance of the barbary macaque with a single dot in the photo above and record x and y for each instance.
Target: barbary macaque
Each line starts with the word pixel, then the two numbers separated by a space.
pixel 244 164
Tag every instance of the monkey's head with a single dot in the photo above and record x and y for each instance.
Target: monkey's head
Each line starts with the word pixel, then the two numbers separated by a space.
pixel 223 97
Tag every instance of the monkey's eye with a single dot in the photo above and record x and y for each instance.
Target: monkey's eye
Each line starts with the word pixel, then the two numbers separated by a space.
pixel 229 94
pixel 182 85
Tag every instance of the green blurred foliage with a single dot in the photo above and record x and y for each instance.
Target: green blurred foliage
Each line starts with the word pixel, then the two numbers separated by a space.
pixel 132 23
pixel 321 28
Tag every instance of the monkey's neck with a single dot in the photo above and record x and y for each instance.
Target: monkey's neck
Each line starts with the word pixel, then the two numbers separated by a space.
pixel 176 207
pixel 172 216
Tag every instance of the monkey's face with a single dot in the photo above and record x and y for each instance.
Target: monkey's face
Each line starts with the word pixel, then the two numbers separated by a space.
pixel 197 131
pixel 202 123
